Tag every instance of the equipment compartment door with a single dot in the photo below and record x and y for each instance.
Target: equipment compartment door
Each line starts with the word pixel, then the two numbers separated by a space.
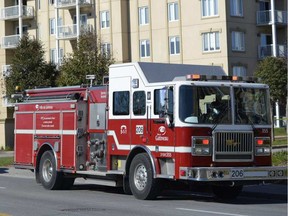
pixel 24 138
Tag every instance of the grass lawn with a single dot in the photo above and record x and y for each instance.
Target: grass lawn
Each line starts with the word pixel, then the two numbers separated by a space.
pixel 279 158
pixel 283 139
pixel 6 161
pixel 280 132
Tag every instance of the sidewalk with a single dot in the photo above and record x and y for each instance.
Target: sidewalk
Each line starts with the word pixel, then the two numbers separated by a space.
pixel 6 153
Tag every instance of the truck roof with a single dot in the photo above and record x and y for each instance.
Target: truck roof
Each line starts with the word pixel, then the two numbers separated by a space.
pixel 164 72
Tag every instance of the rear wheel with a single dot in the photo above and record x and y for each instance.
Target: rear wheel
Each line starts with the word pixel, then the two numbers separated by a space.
pixel 227 192
pixel 49 177
pixel 142 183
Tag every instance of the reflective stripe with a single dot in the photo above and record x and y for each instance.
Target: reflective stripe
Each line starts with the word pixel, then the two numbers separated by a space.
pixel 49 132
pixel 178 149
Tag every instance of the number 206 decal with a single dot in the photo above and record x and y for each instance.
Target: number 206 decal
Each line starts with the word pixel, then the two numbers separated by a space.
pixel 139 129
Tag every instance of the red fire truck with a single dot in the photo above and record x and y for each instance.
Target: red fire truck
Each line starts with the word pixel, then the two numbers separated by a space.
pixel 148 125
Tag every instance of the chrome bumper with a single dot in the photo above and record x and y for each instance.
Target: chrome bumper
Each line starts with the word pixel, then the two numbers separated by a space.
pixel 233 173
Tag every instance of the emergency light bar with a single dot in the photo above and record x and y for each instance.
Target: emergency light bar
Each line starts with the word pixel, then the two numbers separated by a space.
pixel 198 77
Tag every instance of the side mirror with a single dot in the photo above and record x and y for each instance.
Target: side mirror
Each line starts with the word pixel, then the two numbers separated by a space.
pixel 168 121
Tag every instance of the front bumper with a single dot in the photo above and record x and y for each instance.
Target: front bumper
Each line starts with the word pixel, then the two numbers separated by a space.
pixel 212 174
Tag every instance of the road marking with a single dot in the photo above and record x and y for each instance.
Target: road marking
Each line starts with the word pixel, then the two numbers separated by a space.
pixel 2 187
pixel 209 212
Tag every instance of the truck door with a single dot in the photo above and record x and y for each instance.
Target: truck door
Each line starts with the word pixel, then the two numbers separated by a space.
pixel 119 114
pixel 160 118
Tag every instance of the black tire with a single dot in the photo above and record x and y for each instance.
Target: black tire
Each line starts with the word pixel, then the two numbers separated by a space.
pixel 126 186
pixel 49 177
pixel 142 183
pixel 227 192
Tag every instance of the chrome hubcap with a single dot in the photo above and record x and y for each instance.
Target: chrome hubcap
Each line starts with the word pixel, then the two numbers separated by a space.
pixel 140 177
pixel 47 170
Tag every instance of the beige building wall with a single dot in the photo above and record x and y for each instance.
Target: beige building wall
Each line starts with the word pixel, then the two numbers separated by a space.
pixel 189 28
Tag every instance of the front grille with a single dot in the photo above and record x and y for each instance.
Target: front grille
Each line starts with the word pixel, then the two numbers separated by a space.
pixel 233 146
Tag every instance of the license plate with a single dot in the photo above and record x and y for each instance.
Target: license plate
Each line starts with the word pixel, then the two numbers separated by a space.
pixel 237 173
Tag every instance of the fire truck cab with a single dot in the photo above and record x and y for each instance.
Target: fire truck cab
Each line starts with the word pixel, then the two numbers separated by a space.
pixel 147 125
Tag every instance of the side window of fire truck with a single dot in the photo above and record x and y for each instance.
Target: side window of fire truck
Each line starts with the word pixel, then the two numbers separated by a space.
pixel 121 103
pixel 188 104
pixel 139 103
pixel 160 101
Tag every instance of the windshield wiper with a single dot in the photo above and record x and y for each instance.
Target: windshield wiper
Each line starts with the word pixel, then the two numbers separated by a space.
pixel 219 119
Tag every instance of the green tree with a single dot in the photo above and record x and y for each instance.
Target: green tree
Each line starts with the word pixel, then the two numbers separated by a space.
pixel 273 71
pixel 29 69
pixel 87 59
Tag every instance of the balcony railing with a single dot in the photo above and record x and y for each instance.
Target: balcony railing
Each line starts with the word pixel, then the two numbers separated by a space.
pixel 71 3
pixel 70 31
pixel 6 70
pixel 267 50
pixel 265 17
pixel 14 13
pixel 7 102
pixel 10 42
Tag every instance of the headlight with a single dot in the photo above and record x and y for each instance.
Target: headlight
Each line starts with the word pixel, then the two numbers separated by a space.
pixel 262 146
pixel 201 146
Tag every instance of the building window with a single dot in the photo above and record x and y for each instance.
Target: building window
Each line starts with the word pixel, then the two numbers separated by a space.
pixel 121 103
pixel 39 4
pixel 139 103
pixel 83 19
pixel 238 42
pixel 51 2
pixel 209 8
pixel 105 19
pixel 52 26
pixel 24 29
pixel 61 56
pixel 211 41
pixel 239 71
pixel 143 16
pixel 106 49
pixel 144 48
pixel 53 57
pixel 236 7
pixel 174 45
pixel 173 12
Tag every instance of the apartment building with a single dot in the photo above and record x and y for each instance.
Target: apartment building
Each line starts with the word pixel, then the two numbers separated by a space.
pixel 234 34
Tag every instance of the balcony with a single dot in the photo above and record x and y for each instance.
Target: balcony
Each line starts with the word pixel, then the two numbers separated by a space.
pixel 69 32
pixel 267 50
pixel 13 13
pixel 72 3
pixel 7 102
pixel 10 42
pixel 265 17
pixel 6 70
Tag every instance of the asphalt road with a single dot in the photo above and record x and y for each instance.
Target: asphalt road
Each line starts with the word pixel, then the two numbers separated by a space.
pixel 21 195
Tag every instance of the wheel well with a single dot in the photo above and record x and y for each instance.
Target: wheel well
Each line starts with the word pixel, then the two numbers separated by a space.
pixel 137 150
pixel 45 147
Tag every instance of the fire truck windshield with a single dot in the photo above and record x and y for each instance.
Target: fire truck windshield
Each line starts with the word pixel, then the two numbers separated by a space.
pixel 213 105
pixel 251 106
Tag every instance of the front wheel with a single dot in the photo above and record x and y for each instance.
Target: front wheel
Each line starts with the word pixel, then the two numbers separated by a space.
pixel 227 192
pixel 142 183
pixel 49 177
